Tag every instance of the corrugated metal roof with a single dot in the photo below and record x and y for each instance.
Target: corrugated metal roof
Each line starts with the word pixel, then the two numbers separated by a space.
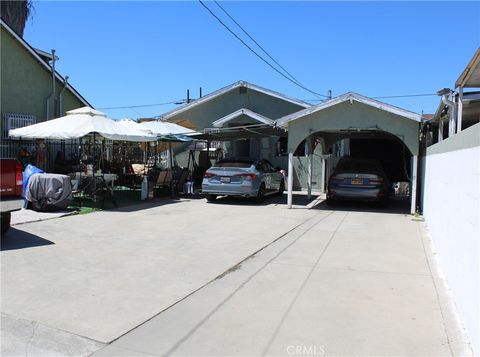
pixel 240 132
pixel 229 88
pixel 247 112
pixel 350 96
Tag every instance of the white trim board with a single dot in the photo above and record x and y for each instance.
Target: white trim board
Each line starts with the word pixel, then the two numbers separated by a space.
pixel 247 112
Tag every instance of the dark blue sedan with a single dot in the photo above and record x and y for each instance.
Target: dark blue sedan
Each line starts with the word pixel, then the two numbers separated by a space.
pixel 358 179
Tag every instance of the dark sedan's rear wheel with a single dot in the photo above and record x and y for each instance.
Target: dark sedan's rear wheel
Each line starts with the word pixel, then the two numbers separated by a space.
pixel 261 193
pixel 384 203
pixel 5 222
pixel 211 198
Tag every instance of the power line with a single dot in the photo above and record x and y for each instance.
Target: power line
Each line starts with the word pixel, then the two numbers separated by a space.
pixel 406 96
pixel 387 96
pixel 260 46
pixel 136 111
pixel 305 100
pixel 256 53
pixel 141 105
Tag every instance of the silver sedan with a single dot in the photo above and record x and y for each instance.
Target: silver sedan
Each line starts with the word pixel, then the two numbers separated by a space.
pixel 242 177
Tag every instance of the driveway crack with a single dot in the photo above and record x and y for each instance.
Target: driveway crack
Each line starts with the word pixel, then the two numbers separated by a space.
pixel 297 295
pixel 34 330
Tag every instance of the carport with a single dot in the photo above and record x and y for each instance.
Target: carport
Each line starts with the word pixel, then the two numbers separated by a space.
pixel 376 128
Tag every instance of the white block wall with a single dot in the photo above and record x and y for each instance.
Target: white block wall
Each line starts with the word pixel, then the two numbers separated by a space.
pixel 452 213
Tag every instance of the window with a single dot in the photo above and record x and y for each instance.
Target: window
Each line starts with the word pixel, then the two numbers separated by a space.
pixel 282 146
pixel 14 121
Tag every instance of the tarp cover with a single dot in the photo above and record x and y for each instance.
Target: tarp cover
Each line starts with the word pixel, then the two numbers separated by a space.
pixel 49 192
pixel 29 171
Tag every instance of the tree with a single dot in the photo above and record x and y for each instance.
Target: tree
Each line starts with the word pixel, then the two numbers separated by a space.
pixel 15 13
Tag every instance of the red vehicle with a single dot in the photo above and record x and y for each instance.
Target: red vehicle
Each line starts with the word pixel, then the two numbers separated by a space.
pixel 10 190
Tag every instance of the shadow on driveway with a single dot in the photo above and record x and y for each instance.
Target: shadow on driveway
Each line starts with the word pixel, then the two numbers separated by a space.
pixel 397 205
pixel 298 200
pixel 17 239
pixel 156 202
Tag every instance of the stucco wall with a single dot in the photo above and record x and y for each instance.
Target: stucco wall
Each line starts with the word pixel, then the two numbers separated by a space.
pixel 25 83
pixel 451 206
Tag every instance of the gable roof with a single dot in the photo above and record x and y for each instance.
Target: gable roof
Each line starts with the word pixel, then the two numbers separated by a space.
pixel 470 76
pixel 350 96
pixel 42 61
pixel 247 112
pixel 229 88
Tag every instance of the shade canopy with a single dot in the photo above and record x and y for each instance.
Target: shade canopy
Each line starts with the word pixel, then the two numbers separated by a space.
pixel 81 122
pixel 160 128
pixel 178 138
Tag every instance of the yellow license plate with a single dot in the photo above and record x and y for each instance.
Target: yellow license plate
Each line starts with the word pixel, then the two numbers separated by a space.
pixel 357 181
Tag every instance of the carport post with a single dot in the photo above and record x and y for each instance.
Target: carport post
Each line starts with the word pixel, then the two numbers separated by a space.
pixel 309 179
pixel 460 109
pixel 440 130
pixel 310 172
pixel 413 185
pixel 324 167
pixel 290 179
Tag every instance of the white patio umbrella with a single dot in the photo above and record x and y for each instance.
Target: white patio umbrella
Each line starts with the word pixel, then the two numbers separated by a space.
pixel 161 127
pixel 81 122
pixel 128 127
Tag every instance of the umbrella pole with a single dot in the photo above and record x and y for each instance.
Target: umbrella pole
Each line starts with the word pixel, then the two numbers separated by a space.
pixel 104 153
pixel 171 168
pixel 93 156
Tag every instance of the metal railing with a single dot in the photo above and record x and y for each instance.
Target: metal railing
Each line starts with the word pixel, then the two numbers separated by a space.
pixel 14 121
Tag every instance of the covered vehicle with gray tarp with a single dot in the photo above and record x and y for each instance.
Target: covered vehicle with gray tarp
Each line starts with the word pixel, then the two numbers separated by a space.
pixel 49 192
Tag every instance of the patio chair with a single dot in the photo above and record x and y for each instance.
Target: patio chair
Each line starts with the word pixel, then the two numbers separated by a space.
pixel 164 181
pixel 183 177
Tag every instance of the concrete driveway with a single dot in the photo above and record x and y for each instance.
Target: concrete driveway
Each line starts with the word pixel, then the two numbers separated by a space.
pixel 288 282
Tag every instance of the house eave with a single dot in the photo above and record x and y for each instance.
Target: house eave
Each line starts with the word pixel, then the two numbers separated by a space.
pixel 472 69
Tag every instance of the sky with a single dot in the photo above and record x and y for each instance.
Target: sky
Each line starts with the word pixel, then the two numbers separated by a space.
pixel 130 53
